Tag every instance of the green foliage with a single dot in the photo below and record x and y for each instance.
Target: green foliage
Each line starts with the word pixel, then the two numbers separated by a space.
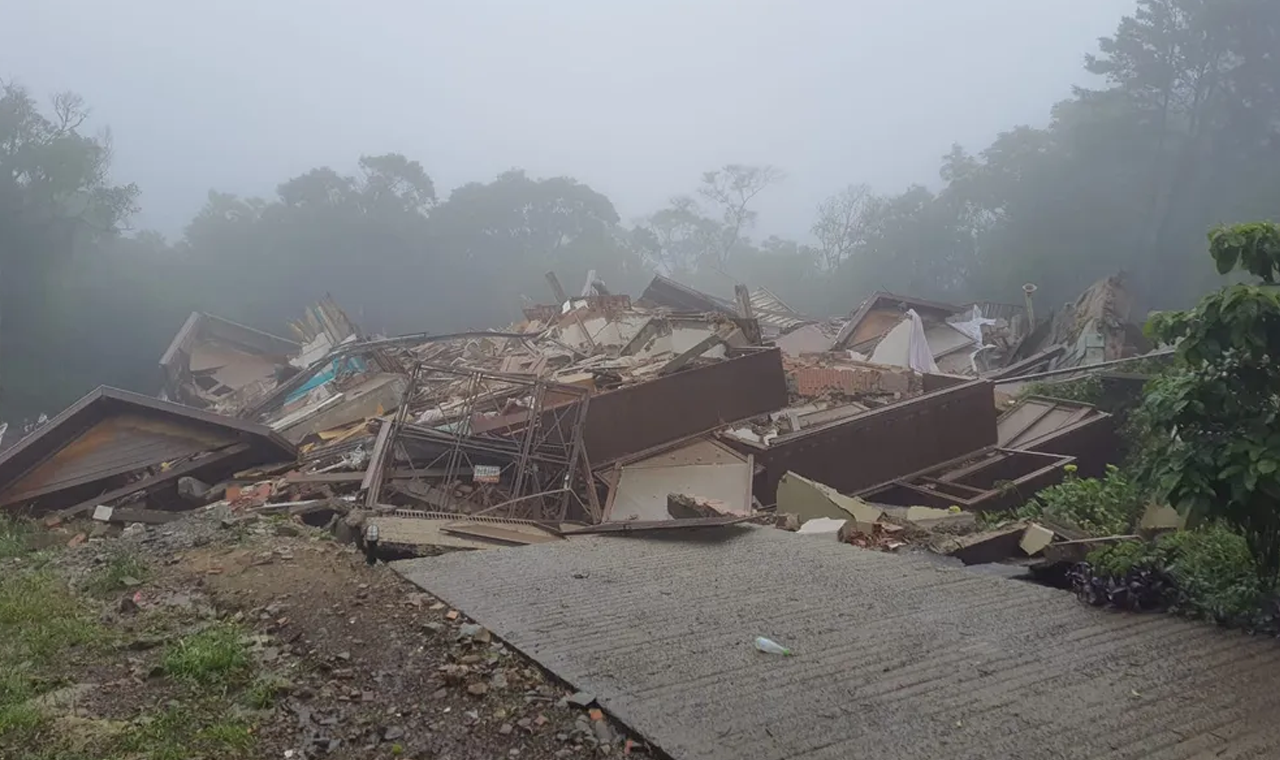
pixel 41 624
pixel 262 693
pixel 1214 452
pixel 1086 390
pixel 217 655
pixel 121 571
pixel 182 731
pixel 1103 507
pixel 1212 570
pixel 15 537
pixel 1254 247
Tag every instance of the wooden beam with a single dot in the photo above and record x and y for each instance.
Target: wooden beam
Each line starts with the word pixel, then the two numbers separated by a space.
pixel 557 288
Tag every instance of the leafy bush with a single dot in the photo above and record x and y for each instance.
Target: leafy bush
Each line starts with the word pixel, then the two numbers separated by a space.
pixel 1206 573
pixel 1086 390
pixel 1102 507
pixel 1213 449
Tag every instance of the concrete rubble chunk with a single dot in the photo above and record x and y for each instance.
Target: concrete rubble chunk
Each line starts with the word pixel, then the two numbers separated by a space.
pixel 989 546
pixel 808 499
pixel 823 525
pixel 1035 539
pixel 684 507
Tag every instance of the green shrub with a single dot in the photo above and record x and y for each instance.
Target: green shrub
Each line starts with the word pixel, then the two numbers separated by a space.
pixel 1214 450
pixel 1211 568
pixel 1086 390
pixel 1100 506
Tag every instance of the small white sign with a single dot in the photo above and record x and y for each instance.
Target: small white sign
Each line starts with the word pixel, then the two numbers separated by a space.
pixel 486 473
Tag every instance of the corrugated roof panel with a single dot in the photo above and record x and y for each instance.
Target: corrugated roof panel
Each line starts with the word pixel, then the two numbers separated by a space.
pixel 895 657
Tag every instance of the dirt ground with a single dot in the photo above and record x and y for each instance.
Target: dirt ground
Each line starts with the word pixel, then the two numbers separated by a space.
pixel 265 638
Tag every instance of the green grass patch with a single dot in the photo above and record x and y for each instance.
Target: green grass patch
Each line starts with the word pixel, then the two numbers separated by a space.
pixel 122 571
pixel 15 537
pixel 41 624
pixel 263 692
pixel 185 731
pixel 217 655
pixel 1086 390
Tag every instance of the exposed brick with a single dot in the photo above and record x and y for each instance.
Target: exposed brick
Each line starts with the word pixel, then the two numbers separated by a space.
pixel 851 381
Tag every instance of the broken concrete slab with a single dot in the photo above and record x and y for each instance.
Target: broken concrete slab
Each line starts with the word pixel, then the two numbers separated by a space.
pixel 1035 539
pixel 683 506
pixel 808 499
pixel 823 525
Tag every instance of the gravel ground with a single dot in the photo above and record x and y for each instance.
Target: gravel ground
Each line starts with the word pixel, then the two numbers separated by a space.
pixel 362 664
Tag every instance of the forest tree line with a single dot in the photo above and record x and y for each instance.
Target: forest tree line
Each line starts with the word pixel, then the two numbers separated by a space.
pixel 1182 132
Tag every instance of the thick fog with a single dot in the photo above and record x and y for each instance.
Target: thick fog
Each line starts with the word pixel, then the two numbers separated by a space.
pixel 427 163
pixel 634 98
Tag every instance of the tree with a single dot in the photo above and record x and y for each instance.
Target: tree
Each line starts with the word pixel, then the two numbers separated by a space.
pixel 391 180
pixel 732 188
pixel 56 198
pixel 1215 441
pixel 503 236
pixel 679 237
pixel 841 224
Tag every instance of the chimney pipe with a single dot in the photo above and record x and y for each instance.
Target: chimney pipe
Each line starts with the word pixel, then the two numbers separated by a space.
pixel 1027 290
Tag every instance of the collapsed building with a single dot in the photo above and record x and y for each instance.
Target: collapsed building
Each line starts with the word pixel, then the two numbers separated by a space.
pixel 589 414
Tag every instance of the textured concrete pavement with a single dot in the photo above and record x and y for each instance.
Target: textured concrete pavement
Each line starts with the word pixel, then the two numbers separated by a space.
pixel 895 657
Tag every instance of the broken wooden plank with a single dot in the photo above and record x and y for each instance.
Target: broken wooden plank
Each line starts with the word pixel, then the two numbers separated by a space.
pixel 373 473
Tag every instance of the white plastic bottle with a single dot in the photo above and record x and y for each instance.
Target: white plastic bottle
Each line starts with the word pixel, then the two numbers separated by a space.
pixel 772 647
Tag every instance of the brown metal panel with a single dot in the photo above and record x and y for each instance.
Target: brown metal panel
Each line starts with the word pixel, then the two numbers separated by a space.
pixel 629 420
pixel 884 443
pixel 115 446
pixel 161 431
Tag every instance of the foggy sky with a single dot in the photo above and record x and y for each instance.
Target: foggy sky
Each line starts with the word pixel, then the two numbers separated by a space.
pixel 634 97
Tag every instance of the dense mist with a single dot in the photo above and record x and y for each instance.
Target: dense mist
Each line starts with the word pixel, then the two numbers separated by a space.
pixel 249 160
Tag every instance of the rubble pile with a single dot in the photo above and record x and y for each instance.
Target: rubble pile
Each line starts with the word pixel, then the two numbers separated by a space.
pixel 595 412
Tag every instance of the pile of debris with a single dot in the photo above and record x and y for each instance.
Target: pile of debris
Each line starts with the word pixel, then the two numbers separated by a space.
pixel 595 413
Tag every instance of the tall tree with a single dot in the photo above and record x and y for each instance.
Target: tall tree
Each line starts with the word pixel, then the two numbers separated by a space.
pixel 841 224
pixel 56 197
pixel 731 189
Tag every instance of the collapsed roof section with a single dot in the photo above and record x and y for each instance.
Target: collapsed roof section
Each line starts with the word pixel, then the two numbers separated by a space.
pixel 113 443
pixel 213 362
pixel 582 409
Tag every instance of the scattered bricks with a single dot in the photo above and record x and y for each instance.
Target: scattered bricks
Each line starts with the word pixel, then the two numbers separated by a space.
pixel 850 381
